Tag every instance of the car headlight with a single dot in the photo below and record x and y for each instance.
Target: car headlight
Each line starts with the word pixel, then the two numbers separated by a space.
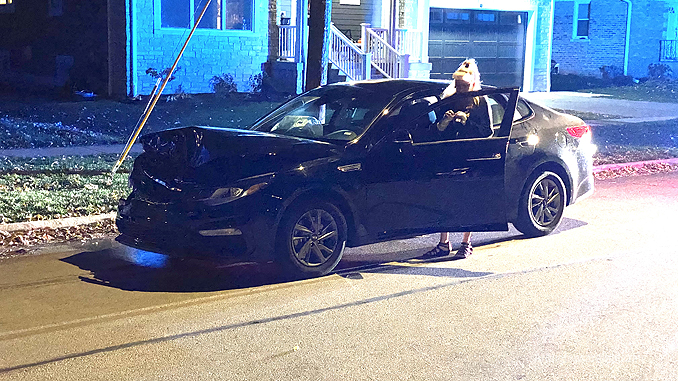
pixel 228 194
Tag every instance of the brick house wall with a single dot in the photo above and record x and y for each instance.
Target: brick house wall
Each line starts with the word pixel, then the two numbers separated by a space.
pixel 607 37
pixel 648 27
pixel 606 42
pixel 209 53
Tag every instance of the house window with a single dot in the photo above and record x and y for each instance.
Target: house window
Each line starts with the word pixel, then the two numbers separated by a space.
pixel 6 6
pixel 220 14
pixel 582 18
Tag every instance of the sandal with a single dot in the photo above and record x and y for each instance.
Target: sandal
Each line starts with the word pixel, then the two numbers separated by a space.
pixel 464 251
pixel 441 250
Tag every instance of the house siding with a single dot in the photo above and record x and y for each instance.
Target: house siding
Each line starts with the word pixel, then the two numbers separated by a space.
pixel 209 53
pixel 349 17
pixel 607 37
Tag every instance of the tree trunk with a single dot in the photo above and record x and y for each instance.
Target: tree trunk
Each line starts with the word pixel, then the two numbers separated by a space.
pixel 318 43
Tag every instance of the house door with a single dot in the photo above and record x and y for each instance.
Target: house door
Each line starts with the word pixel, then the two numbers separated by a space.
pixel 495 39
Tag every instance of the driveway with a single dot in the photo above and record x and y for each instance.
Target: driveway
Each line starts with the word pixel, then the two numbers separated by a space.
pixel 629 111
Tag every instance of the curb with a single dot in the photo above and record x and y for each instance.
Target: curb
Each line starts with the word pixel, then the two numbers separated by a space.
pixel 637 164
pixel 56 223
pixel 77 221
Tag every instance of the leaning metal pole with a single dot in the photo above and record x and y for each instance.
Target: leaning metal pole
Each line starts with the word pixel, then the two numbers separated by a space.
pixel 135 134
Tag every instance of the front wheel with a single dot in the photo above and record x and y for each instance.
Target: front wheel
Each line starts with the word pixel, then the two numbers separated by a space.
pixel 542 204
pixel 312 238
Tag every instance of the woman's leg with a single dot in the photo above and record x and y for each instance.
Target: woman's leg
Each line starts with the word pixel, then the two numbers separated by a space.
pixel 444 237
pixel 465 250
pixel 442 249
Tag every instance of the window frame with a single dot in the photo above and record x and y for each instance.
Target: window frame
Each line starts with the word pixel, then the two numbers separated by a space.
pixel 157 21
pixel 576 19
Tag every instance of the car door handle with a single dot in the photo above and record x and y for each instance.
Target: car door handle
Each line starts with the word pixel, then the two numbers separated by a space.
pixel 350 167
pixel 455 172
pixel 496 156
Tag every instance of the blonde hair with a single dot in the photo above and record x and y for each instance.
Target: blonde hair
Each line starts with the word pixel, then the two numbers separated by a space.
pixel 468 68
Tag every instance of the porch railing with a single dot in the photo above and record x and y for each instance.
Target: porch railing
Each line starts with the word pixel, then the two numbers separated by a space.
pixel 354 62
pixel 385 58
pixel 408 41
pixel 287 41
pixel 347 57
pixel 668 50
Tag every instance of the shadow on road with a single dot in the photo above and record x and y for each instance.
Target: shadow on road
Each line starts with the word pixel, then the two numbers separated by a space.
pixel 137 270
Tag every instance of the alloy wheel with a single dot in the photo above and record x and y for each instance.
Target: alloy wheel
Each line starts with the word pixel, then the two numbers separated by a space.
pixel 315 238
pixel 546 202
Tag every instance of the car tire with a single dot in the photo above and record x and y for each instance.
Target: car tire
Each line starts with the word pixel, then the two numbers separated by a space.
pixel 311 239
pixel 541 204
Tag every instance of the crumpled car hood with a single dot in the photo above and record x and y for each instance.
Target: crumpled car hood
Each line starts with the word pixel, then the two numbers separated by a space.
pixel 208 156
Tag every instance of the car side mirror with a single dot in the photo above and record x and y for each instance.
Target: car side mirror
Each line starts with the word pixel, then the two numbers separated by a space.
pixel 401 136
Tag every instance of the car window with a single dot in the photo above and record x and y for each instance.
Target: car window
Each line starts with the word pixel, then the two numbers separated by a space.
pixel 460 116
pixel 523 111
pixel 334 113
pixel 497 111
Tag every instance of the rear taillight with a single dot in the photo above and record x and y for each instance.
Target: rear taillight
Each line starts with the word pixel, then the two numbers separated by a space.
pixel 579 131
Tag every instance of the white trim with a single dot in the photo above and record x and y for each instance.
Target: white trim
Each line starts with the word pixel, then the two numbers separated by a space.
pixel 493 5
pixel 627 42
pixel 575 20
pixel 530 43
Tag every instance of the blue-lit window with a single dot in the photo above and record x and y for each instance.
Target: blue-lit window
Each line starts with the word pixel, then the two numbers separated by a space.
pixel 220 14
pixel 582 19
pixel 6 6
pixel 485 17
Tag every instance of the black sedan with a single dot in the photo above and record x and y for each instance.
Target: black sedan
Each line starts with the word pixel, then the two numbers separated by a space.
pixel 353 164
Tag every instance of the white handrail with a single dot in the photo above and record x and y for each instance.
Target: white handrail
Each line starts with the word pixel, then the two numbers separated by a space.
pixel 349 58
pixel 409 42
pixel 287 41
pixel 385 58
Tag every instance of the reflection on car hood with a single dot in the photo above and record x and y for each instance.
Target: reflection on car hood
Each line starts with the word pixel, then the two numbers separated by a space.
pixel 218 156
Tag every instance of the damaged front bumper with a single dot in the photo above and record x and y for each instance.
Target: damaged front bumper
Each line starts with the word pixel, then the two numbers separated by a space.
pixel 193 229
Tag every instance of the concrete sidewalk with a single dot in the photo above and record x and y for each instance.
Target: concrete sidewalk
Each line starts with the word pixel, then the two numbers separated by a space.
pixel 628 111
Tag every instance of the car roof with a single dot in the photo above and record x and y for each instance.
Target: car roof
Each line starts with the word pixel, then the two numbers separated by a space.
pixel 396 86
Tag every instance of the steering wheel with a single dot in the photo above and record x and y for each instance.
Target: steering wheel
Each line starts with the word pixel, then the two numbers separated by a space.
pixel 342 135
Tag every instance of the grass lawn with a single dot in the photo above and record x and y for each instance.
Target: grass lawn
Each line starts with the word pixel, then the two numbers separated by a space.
pixel 652 91
pixel 47 188
pixel 32 123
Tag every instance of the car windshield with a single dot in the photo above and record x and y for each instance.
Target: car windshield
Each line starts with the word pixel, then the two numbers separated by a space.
pixel 331 113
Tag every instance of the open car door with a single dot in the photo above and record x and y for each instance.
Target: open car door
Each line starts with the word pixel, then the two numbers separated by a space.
pixel 426 180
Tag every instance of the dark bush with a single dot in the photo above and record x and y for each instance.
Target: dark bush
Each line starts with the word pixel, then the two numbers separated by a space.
pixel 223 85
pixel 611 72
pixel 659 71
pixel 573 82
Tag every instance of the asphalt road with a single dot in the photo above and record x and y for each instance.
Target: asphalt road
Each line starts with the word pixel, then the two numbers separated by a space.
pixel 597 300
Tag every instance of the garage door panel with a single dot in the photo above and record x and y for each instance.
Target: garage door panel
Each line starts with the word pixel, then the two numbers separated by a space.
pixel 497 44
pixel 456 49
pixel 484 50
pixel 484 35
pixel 509 51
pixel 435 49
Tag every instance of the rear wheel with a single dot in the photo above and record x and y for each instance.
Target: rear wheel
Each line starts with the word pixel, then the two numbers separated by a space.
pixel 312 238
pixel 542 204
